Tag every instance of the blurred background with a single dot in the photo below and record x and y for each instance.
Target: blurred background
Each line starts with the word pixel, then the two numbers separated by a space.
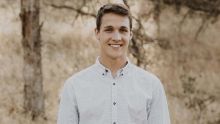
pixel 178 40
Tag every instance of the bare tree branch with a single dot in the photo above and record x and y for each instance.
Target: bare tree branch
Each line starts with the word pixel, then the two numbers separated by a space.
pixel 206 6
pixel 77 10
pixel 202 27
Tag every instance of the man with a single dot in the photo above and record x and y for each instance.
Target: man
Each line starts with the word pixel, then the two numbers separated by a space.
pixel 113 90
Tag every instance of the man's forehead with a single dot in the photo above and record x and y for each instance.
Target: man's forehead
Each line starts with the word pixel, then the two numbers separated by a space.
pixel 113 20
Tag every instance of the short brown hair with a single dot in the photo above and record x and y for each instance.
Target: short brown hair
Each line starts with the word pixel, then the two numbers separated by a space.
pixel 119 9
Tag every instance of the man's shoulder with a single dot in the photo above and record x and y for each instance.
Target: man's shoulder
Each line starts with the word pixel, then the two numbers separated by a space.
pixel 83 74
pixel 145 75
pixel 140 72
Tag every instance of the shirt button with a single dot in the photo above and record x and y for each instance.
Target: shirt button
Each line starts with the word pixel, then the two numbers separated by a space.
pixel 114 103
pixel 113 83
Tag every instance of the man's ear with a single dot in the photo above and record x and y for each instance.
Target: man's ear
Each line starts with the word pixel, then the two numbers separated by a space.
pixel 96 34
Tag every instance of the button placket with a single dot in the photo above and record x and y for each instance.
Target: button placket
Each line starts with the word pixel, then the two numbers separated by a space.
pixel 114 102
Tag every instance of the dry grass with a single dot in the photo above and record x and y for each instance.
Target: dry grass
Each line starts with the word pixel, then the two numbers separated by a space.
pixel 189 69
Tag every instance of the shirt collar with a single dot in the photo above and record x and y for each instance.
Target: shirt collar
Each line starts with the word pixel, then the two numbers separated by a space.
pixel 102 70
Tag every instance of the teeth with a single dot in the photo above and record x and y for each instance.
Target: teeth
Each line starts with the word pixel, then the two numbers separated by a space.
pixel 115 46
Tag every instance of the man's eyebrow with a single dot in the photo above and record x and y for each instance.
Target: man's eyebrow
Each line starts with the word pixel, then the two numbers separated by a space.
pixel 108 26
pixel 124 27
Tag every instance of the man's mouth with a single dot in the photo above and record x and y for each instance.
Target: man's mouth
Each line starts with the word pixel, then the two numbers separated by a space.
pixel 115 45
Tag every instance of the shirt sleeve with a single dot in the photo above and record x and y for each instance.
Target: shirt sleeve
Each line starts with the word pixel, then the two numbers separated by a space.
pixel 159 113
pixel 68 112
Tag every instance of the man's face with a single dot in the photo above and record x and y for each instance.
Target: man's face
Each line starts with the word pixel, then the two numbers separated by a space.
pixel 114 36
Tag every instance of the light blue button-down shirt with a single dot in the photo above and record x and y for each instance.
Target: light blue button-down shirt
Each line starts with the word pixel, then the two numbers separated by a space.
pixel 93 96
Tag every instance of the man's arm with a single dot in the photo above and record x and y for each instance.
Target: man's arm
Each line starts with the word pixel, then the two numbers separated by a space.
pixel 68 112
pixel 159 113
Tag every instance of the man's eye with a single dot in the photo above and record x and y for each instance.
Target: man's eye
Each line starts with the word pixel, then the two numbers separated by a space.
pixel 124 30
pixel 108 30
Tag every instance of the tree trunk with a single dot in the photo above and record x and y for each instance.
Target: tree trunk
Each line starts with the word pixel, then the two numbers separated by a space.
pixel 32 71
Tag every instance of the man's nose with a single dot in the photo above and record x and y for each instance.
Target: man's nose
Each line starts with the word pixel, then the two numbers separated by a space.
pixel 116 36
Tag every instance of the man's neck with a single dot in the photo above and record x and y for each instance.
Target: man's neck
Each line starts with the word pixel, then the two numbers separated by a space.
pixel 113 64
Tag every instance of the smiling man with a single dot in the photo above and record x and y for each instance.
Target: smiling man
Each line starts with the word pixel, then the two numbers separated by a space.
pixel 113 90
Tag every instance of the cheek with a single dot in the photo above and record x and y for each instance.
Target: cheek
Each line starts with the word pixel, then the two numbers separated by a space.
pixel 103 43
pixel 105 38
pixel 127 40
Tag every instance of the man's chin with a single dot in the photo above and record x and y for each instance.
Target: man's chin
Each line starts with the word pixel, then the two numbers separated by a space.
pixel 115 57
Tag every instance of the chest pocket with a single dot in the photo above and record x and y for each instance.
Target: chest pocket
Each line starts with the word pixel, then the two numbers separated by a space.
pixel 138 105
